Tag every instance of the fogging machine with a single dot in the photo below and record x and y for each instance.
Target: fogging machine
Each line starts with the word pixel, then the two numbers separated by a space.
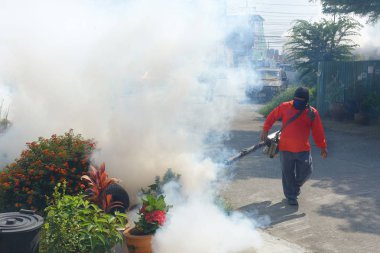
pixel 271 143
pixel 270 148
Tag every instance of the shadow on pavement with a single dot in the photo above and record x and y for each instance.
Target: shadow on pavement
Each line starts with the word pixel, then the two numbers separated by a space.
pixel 359 204
pixel 359 214
pixel 352 173
pixel 268 214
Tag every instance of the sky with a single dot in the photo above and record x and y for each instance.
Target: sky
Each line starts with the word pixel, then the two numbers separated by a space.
pixel 280 15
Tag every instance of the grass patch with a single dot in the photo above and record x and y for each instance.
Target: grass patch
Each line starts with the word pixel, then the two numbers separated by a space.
pixel 283 97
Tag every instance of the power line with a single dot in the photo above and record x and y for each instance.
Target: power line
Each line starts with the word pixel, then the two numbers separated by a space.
pixel 292 15
pixel 286 13
pixel 278 22
pixel 309 5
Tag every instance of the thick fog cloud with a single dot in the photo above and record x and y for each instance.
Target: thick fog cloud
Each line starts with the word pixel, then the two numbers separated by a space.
pixel 148 80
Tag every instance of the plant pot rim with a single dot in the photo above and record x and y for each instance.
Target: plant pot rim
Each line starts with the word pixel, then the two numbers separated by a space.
pixel 127 233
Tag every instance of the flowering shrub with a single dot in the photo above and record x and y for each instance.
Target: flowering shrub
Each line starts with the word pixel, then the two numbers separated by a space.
pixel 152 215
pixel 25 182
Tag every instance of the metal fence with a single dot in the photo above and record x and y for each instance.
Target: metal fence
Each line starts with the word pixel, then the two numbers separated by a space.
pixel 345 82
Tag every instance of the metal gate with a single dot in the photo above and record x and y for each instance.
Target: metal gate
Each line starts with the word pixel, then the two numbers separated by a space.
pixel 346 83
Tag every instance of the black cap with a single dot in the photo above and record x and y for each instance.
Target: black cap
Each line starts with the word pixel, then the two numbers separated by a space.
pixel 302 92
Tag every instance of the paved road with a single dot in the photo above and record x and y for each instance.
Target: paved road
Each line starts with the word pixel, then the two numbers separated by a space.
pixel 339 207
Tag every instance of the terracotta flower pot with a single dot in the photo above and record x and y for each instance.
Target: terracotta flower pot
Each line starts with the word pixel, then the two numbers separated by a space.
pixel 137 243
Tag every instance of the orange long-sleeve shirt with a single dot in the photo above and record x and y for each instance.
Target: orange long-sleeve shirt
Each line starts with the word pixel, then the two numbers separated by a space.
pixel 295 136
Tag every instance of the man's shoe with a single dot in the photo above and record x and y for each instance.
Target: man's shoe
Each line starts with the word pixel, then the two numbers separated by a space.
pixel 293 202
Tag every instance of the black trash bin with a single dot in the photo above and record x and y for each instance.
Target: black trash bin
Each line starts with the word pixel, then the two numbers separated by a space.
pixel 19 232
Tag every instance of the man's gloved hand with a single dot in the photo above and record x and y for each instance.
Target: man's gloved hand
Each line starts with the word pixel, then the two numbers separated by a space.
pixel 264 135
pixel 324 153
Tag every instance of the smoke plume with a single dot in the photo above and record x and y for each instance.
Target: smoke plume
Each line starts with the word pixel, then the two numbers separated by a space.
pixel 369 42
pixel 199 226
pixel 145 79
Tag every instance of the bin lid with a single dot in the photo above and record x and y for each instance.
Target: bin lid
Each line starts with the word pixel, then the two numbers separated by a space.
pixel 18 222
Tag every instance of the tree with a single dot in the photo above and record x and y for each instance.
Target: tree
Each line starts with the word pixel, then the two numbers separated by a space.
pixel 370 8
pixel 327 40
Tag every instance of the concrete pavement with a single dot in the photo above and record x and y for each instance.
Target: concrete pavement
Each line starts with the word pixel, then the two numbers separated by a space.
pixel 339 207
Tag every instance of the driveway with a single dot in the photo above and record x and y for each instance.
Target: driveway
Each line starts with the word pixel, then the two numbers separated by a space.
pixel 339 207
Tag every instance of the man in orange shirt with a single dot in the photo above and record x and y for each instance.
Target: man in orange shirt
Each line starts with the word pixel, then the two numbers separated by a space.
pixel 294 146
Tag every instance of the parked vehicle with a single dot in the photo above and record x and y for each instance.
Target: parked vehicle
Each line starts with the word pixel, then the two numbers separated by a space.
pixel 269 83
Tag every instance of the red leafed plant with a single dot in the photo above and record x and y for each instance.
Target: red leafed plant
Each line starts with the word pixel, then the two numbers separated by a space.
pixel 98 183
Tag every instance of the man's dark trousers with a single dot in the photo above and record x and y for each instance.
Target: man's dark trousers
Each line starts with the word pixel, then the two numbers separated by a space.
pixel 296 170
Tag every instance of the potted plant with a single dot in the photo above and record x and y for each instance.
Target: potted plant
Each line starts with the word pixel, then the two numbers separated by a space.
pixel 152 215
pixel 75 225
pixel 368 107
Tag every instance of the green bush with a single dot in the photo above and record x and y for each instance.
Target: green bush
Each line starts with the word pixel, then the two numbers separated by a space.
pixel 283 97
pixel 25 182
pixel 369 102
pixel 74 225
pixel 156 188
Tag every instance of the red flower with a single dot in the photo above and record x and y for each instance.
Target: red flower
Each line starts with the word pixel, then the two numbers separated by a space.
pixel 156 216
pixel 143 210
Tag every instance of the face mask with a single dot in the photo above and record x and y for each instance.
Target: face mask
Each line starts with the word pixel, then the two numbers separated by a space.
pixel 299 104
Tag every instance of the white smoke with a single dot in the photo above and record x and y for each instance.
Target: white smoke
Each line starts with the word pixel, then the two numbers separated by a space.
pixel 368 52
pixel 196 224
pixel 127 73
pixel 199 226
pixel 368 41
